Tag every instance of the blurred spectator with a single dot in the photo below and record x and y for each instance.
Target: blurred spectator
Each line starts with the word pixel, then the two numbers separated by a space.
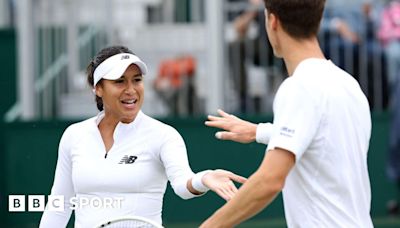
pixel 243 21
pixel 342 19
pixel 393 168
pixel 250 54
pixel 175 84
pixel 353 24
pixel 389 35
pixel 372 55
pixel 348 35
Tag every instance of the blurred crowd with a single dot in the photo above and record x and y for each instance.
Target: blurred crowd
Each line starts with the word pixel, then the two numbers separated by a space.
pixel 361 36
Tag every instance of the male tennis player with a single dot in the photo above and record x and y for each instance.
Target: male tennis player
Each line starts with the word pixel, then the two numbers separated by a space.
pixel 317 152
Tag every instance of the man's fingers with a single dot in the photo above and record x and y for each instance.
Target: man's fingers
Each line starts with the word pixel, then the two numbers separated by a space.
pixel 214 118
pixel 226 115
pixel 225 135
pixel 222 113
pixel 212 123
pixel 217 124
pixel 222 135
pixel 218 135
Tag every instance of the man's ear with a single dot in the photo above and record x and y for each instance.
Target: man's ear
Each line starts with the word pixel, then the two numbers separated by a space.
pixel 273 20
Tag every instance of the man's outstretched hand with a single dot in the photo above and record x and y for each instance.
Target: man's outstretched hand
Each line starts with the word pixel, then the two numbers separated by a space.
pixel 235 129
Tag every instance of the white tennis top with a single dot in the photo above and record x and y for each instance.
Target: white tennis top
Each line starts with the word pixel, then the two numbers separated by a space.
pixel 145 155
pixel 323 117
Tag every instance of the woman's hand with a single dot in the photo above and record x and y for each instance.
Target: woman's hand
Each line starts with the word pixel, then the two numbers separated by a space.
pixel 221 182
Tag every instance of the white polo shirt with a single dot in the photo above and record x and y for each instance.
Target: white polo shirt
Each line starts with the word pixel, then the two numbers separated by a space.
pixel 322 116
pixel 145 155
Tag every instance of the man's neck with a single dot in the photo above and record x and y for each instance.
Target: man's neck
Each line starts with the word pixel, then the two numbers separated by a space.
pixel 297 51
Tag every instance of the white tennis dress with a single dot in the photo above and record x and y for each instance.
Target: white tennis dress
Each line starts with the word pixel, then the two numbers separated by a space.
pixel 145 155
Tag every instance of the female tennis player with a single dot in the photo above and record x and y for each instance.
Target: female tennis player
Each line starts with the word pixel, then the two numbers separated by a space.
pixel 118 163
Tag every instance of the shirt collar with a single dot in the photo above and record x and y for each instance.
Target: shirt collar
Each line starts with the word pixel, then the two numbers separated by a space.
pixel 121 128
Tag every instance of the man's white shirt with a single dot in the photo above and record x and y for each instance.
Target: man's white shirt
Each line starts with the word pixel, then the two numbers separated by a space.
pixel 322 116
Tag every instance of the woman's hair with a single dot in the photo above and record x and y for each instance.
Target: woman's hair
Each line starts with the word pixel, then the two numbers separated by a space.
pixel 299 18
pixel 99 58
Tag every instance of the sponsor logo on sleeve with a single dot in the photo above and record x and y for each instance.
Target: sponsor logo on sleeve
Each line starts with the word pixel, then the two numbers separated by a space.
pixel 285 131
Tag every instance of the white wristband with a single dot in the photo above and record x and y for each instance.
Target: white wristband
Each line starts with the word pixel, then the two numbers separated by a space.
pixel 197 182
pixel 264 132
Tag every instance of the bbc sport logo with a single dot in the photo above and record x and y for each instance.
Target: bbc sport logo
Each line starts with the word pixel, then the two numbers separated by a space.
pixel 36 203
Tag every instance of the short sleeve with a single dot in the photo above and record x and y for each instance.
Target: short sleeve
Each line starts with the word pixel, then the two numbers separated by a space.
pixel 297 115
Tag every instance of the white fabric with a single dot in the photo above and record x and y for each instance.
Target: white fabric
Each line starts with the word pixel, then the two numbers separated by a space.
pixel 197 181
pixel 322 116
pixel 83 171
pixel 113 67
pixel 264 132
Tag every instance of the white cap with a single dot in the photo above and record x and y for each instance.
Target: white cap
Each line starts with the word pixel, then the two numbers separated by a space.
pixel 113 67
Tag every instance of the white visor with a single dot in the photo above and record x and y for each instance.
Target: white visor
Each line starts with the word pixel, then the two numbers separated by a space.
pixel 113 67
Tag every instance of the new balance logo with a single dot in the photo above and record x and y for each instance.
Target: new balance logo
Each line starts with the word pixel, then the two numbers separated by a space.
pixel 128 159
pixel 124 57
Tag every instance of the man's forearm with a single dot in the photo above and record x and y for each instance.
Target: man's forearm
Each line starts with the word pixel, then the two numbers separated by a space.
pixel 255 195
pixel 258 192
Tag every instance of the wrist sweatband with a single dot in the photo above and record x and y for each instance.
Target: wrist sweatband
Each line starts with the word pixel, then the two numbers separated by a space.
pixel 264 132
pixel 197 182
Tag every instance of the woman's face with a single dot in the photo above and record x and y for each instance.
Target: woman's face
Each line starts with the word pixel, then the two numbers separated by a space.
pixel 123 97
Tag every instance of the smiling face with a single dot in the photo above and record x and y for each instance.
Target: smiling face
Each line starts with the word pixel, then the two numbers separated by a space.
pixel 123 97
